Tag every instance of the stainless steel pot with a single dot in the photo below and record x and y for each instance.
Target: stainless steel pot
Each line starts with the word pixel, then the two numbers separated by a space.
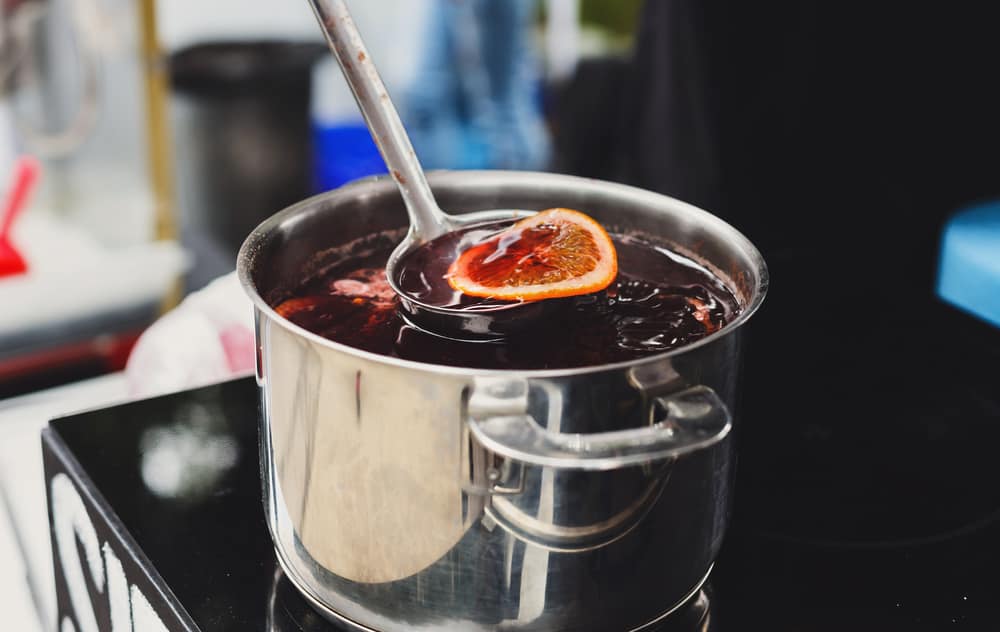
pixel 406 496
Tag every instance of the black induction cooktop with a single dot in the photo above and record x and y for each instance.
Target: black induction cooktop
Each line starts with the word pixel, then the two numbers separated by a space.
pixel 878 511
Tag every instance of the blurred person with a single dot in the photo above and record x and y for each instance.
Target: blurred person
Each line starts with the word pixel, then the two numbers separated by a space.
pixel 473 103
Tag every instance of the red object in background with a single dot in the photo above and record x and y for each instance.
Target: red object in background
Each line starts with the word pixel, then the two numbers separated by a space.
pixel 46 368
pixel 25 175
pixel 109 352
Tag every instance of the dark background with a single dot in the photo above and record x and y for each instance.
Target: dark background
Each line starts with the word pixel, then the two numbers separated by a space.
pixel 838 137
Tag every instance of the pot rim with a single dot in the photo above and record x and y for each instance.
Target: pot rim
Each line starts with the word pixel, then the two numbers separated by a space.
pixel 501 178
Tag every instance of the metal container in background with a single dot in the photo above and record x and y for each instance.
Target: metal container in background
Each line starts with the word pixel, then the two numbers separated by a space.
pixel 405 496
pixel 87 92
pixel 242 133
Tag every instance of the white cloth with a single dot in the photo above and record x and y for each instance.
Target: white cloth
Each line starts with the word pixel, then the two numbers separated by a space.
pixel 207 338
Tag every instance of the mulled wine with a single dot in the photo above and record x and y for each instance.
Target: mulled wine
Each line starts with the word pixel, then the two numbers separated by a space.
pixel 660 300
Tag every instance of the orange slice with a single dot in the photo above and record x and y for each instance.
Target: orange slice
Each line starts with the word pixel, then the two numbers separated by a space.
pixel 555 253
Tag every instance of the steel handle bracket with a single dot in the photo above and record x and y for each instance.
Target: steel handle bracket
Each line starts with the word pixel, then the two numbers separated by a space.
pixel 680 423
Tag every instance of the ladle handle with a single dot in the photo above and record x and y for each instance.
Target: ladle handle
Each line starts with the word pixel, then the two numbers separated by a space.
pixel 426 219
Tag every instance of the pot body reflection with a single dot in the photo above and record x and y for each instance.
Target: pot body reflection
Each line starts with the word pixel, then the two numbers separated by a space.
pixel 408 496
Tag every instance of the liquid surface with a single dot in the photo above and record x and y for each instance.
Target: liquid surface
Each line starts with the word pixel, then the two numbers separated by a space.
pixel 659 301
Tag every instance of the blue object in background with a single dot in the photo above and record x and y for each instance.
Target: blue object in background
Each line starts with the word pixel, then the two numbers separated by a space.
pixel 969 274
pixel 470 101
pixel 343 152
pixel 474 101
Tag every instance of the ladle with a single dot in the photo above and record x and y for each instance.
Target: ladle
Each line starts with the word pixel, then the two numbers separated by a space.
pixel 427 220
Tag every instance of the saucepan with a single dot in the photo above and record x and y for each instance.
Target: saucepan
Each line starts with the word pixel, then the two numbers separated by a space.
pixel 408 496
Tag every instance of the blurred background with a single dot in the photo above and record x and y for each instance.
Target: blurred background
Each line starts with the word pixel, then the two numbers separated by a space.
pixel 150 138
pixel 140 142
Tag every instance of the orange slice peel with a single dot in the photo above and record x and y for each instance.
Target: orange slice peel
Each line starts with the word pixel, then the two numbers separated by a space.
pixel 553 254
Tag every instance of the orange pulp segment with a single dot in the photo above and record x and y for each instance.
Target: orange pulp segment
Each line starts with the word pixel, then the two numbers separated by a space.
pixel 552 254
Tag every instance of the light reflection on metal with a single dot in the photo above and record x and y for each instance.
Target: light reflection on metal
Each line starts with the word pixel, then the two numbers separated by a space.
pixel 186 459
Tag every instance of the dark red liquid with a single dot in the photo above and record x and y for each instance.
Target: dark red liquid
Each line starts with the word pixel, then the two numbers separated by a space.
pixel 659 301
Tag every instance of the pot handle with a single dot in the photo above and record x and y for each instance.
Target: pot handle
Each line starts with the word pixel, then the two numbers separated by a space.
pixel 682 422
